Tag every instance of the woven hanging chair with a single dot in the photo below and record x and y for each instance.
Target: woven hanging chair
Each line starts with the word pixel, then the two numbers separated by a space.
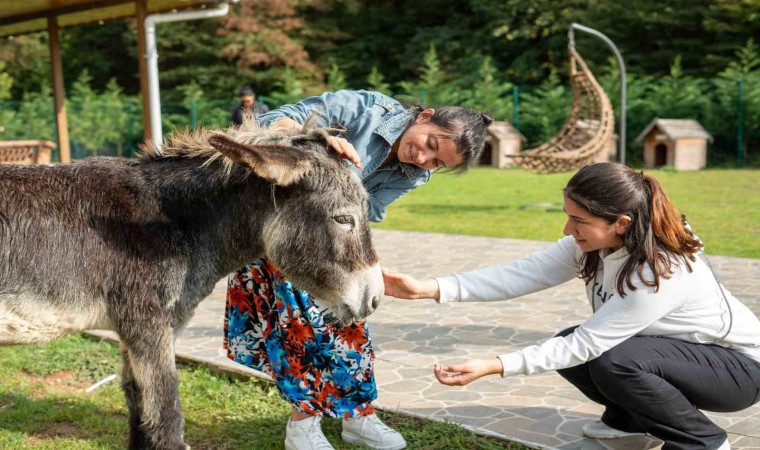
pixel 586 131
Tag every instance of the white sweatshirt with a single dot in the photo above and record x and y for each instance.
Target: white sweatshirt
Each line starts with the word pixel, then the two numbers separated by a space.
pixel 688 306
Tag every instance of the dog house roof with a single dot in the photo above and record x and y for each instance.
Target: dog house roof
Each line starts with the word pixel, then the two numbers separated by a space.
pixel 676 129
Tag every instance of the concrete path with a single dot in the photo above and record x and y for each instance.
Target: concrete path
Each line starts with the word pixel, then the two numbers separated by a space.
pixel 542 411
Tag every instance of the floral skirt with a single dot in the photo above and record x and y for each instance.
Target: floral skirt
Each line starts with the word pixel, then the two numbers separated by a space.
pixel 279 330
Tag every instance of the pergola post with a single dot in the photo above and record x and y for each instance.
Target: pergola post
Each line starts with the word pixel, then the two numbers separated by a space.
pixel 141 8
pixel 59 95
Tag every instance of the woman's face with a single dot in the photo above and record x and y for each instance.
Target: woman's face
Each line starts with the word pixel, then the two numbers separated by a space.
pixel 592 232
pixel 426 145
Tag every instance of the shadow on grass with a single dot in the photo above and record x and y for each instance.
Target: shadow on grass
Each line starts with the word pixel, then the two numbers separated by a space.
pixel 78 419
pixel 70 423
pixel 49 418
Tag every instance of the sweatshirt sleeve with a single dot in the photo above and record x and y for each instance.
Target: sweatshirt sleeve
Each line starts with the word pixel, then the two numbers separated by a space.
pixel 541 270
pixel 617 320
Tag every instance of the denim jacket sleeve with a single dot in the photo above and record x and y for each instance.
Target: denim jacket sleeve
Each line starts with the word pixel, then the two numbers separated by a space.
pixel 333 109
pixel 389 191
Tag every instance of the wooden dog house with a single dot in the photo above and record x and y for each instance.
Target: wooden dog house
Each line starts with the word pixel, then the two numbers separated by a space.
pixel 502 139
pixel 679 143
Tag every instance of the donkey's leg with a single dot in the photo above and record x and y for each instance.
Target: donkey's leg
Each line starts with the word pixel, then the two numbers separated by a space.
pixel 138 440
pixel 155 375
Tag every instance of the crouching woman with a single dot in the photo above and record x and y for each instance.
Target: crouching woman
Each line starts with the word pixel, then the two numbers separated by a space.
pixel 665 339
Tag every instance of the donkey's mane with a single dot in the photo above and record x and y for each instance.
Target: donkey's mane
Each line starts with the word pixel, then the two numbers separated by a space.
pixel 194 144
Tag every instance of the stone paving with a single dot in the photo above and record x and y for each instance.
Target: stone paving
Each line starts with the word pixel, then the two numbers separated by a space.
pixel 542 411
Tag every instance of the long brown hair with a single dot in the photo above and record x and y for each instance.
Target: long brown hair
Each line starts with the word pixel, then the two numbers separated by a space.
pixel 657 237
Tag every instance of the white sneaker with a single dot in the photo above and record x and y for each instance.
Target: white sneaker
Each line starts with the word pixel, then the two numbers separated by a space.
pixel 725 446
pixel 600 430
pixel 306 434
pixel 372 432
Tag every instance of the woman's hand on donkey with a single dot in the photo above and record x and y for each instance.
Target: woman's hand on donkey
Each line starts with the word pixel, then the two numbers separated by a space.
pixel 345 149
pixel 404 286
pixel 467 372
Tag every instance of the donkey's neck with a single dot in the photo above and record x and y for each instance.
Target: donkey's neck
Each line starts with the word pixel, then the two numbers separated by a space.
pixel 218 216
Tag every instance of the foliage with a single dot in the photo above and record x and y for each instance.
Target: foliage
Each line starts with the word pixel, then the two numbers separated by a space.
pixel 95 119
pixel 27 62
pixel 684 60
pixel 32 117
pixel 745 69
pixel 335 78
pixel 544 110
pixel 289 88
pixel 262 38
pixel 489 93
pixel 6 82
pixel 376 81
pixel 431 88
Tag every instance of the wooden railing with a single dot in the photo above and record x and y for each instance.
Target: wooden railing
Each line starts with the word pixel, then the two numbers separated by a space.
pixel 26 152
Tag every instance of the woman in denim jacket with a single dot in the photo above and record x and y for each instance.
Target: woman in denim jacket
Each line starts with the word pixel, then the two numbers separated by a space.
pixel 319 369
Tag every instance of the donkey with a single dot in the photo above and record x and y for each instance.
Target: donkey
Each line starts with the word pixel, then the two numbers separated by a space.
pixel 134 246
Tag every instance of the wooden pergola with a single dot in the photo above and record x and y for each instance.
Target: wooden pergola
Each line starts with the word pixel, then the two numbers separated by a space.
pixel 19 17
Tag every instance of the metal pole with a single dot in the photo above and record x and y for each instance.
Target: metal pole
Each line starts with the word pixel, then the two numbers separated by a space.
pixel 151 55
pixel 619 57
pixel 740 124
pixel 193 115
pixel 516 107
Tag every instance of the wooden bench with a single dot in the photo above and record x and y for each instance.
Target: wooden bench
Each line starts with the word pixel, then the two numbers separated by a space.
pixel 26 152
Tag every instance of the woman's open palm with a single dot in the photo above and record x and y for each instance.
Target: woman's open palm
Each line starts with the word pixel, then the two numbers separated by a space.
pixel 400 285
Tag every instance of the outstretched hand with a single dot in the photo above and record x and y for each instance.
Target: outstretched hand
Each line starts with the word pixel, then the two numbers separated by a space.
pixel 345 149
pixel 467 372
pixel 400 285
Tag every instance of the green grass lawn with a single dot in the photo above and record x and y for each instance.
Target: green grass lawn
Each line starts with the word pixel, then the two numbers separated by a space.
pixel 723 206
pixel 43 406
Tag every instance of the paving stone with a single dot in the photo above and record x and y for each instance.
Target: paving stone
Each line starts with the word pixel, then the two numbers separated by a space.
pixel 405 386
pixel 583 444
pixel 505 426
pixel 747 427
pixel 747 442
pixel 473 411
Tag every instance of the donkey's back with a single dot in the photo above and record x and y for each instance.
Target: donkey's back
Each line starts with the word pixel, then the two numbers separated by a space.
pixel 68 245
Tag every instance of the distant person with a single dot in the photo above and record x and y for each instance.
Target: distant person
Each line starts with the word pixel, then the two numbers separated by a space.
pixel 248 106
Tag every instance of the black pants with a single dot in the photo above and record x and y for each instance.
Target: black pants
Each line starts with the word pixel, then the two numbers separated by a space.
pixel 658 385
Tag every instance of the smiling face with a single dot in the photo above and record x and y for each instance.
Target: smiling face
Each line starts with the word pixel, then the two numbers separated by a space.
pixel 593 232
pixel 426 145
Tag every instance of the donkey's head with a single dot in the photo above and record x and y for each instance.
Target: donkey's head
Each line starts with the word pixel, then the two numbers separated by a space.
pixel 318 233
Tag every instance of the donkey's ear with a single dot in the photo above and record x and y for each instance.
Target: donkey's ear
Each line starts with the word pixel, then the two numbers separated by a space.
pixel 277 163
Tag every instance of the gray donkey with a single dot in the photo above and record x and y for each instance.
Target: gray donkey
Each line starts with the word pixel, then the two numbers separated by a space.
pixel 134 246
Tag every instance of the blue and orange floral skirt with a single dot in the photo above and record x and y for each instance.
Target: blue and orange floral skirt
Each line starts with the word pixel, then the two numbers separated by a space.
pixel 279 330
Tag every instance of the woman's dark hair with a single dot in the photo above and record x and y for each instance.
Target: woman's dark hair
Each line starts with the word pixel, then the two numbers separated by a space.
pixel 658 234
pixel 468 131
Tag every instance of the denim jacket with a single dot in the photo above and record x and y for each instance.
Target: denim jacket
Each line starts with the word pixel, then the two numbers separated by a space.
pixel 371 122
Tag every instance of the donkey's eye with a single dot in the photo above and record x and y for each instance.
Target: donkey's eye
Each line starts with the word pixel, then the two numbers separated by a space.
pixel 346 221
